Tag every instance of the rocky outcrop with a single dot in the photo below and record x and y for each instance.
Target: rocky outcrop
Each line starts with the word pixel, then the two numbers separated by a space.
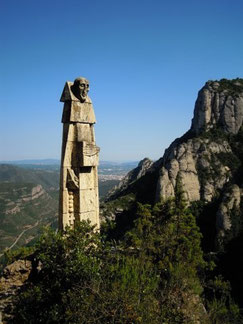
pixel 229 208
pixel 198 157
pixel 14 207
pixel 14 277
pixel 36 192
pixel 208 157
pixel 219 104
pixel 143 167
pixel 135 174
pixel 200 167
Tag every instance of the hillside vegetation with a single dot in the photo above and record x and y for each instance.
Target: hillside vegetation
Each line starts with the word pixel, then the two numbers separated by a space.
pixel 155 274
pixel 29 199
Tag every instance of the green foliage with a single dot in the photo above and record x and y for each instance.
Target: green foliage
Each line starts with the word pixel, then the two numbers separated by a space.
pixel 232 87
pixel 15 174
pixel 106 186
pixel 9 256
pixel 156 274
pixel 229 159
pixel 83 280
pixel 212 173
pixel 19 213
pixel 167 236
pixel 231 266
pixel 236 143
pixel 205 213
pixel 21 253
pixel 123 209
pixel 214 134
pixel 236 217
pixel 219 303
pixel 124 295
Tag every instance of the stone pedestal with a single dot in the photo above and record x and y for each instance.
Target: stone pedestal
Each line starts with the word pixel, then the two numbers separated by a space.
pixel 79 199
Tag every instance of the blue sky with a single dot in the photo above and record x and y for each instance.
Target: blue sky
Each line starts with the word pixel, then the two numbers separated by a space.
pixel 145 59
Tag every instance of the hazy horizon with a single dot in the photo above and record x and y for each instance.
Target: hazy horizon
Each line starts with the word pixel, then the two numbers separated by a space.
pixel 58 160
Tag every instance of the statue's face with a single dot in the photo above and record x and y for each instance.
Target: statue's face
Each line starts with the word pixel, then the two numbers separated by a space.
pixel 80 88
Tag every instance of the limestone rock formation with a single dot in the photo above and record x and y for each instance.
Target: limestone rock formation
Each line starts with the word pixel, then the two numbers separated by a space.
pixel 14 277
pixel 198 161
pixel 79 179
pixel 198 157
pixel 135 174
pixel 14 206
pixel 219 103
pixel 209 157
pixel 230 204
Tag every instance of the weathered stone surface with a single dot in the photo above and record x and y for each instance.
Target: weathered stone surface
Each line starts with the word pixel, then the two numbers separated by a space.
pixel 84 132
pixel 192 158
pixel 75 110
pixel 88 154
pixel 14 277
pixel 219 105
pixel 231 199
pixel 68 95
pixel 78 180
pixel 36 192
pixel 215 106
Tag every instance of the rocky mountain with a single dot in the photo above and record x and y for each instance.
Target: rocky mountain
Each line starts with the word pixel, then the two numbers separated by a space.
pixel 131 177
pixel 13 278
pixel 209 159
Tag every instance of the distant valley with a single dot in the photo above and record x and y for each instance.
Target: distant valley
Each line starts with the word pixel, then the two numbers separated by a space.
pixel 29 192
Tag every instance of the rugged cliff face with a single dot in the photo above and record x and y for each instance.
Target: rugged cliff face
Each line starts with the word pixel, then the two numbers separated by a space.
pixel 143 167
pixel 209 157
pixel 13 278
pixel 202 155
pixel 219 104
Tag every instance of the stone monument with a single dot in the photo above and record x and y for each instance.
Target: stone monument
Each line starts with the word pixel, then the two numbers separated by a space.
pixel 79 199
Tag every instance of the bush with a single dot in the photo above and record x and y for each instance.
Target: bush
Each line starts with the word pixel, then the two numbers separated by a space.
pixel 152 276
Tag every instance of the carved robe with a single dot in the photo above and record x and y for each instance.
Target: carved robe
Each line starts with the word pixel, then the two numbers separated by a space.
pixel 78 176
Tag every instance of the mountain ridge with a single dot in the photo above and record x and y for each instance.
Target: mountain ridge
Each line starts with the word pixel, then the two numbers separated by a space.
pixel 208 157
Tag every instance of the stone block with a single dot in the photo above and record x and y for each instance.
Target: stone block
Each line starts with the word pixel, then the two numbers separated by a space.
pixel 86 179
pixel 84 133
pixel 91 215
pixel 88 154
pixel 87 200
pixel 69 132
pixel 65 220
pixel 82 112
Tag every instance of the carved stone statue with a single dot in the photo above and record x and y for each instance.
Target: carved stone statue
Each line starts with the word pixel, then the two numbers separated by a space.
pixel 80 88
pixel 79 198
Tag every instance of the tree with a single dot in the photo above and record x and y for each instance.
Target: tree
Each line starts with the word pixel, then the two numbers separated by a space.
pixel 86 280
pixel 167 236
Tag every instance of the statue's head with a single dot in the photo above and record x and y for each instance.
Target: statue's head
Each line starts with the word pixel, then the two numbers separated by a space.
pixel 80 88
